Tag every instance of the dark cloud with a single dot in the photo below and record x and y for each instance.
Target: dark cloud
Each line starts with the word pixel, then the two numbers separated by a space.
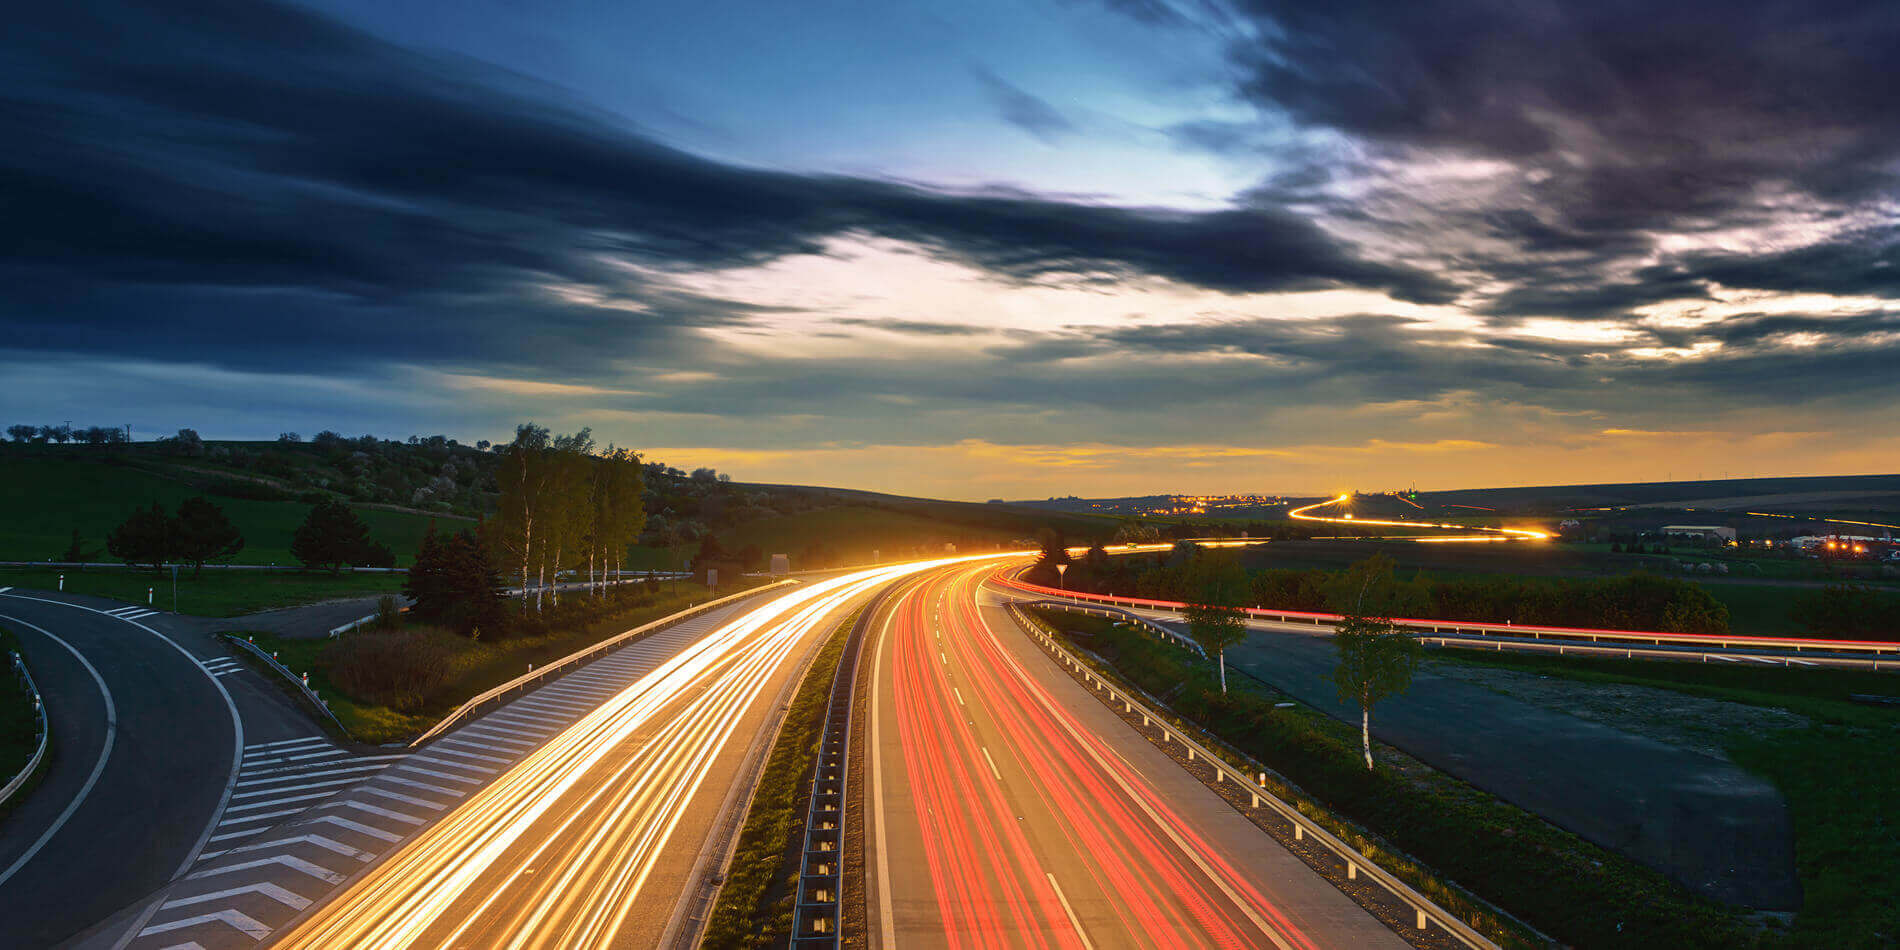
pixel 253 173
pixel 1023 110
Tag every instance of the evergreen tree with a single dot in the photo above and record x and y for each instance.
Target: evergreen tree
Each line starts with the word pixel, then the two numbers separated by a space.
pixel 426 584
pixel 148 536
pixel 205 534
pixel 333 536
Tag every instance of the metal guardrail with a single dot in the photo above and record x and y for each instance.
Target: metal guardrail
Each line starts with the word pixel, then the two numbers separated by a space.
pixel 1428 912
pixel 1470 628
pixel 45 730
pixel 588 653
pixel 299 681
pixel 818 915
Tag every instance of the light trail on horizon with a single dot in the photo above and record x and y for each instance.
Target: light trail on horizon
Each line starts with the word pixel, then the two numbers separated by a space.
pixel 1500 534
pixel 556 851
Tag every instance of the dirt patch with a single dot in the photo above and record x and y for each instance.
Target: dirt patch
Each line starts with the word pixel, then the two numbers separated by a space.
pixel 1677 719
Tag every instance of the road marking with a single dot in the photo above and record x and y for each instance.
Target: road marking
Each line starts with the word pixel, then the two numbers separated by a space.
pixel 238 834
pixel 379 812
pixel 409 767
pixel 247 819
pixel 359 828
pixel 438 750
pixel 986 757
pixel 281 895
pixel 306 740
pixel 452 764
pixel 105 751
pixel 272 803
pixel 1074 921
pixel 317 871
pixel 398 796
pixel 247 925
pixel 959 693
pixel 317 840
pixel 291 774
pixel 327 783
pixel 425 786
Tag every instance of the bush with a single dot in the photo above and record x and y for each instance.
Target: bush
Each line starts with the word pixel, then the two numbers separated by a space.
pixel 388 612
pixel 399 669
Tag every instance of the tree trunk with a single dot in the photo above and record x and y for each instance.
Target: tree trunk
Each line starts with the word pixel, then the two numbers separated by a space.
pixel 554 596
pixel 1223 672
pixel 1365 733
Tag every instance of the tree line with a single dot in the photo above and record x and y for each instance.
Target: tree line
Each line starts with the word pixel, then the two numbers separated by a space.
pixel 566 505
pixel 66 432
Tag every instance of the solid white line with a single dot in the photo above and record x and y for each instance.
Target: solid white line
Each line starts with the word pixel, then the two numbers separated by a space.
pixel 112 731
pixel 281 895
pixel 1074 921
pixel 959 693
pixel 986 757
pixel 887 924
pixel 247 925
pixel 292 862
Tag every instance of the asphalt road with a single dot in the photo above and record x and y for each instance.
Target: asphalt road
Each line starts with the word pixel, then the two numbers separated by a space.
pixel 1008 807
pixel 144 744
pixel 1718 829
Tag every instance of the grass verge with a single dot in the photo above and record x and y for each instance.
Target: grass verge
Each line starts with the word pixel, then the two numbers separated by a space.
pixel 215 593
pixel 473 665
pixel 1839 775
pixel 1577 892
pixel 755 904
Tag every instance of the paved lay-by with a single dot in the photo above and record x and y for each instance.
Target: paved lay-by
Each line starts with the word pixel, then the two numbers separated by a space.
pixel 305 815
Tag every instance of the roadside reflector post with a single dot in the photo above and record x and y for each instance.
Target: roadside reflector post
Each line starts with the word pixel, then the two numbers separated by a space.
pixel 1299 832
pixel 1352 871
pixel 148 596
pixel 1423 923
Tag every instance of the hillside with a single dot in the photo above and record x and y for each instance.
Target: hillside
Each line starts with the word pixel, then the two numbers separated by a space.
pixel 399 486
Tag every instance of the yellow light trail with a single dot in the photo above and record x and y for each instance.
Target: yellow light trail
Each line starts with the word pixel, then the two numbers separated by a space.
pixel 556 851
pixel 1498 534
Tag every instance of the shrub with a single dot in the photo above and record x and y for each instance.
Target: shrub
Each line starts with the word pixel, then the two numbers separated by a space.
pixel 399 669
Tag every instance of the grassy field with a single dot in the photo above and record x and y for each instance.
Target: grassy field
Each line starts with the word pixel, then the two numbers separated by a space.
pixel 19 725
pixel 476 665
pixel 1839 774
pixel 51 497
pixel 213 594
pixel 755 905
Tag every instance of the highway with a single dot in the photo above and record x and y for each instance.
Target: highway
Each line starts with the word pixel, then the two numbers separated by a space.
pixel 1008 808
pixel 592 839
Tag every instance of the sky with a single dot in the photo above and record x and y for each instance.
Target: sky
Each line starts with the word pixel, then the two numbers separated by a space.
pixel 974 249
